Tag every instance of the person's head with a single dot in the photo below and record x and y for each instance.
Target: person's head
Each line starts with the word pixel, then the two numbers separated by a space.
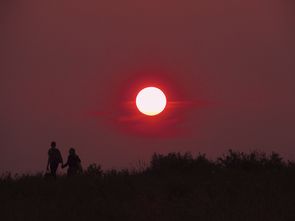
pixel 53 144
pixel 72 151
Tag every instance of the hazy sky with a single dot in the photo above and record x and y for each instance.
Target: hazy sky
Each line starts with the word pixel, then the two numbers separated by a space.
pixel 69 71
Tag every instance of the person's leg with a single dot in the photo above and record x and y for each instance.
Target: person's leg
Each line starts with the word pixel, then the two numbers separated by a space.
pixel 53 169
pixel 72 171
pixel 69 172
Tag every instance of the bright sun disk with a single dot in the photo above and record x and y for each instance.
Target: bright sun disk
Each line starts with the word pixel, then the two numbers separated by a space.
pixel 151 101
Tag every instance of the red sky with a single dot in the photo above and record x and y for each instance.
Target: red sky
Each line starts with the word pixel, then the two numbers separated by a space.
pixel 69 69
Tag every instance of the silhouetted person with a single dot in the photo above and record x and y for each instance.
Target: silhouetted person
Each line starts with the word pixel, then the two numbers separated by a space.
pixel 73 163
pixel 54 159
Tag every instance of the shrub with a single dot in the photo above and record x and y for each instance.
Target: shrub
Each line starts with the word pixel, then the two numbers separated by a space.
pixel 251 161
pixel 93 170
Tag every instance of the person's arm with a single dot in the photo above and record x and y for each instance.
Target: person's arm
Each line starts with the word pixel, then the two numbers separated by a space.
pixel 66 164
pixel 47 167
pixel 80 165
pixel 60 157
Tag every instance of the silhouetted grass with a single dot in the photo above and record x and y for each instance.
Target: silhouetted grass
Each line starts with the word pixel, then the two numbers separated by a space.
pixel 236 186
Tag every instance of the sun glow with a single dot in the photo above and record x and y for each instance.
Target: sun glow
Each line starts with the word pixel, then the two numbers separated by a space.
pixel 151 101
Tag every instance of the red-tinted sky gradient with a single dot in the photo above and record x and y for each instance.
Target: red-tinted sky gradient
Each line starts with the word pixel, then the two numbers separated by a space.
pixel 70 71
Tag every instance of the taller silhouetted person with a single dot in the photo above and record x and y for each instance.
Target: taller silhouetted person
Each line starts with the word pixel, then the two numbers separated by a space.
pixel 73 163
pixel 54 159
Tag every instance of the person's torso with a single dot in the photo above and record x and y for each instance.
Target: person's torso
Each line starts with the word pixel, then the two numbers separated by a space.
pixel 54 155
pixel 74 161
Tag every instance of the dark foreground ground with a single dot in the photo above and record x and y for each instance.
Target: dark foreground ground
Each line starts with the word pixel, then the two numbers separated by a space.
pixel 174 187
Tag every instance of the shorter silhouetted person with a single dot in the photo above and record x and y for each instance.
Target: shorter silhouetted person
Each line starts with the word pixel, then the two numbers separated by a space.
pixel 73 163
pixel 54 159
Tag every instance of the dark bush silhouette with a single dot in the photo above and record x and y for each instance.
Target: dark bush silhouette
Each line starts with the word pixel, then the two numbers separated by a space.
pixel 180 163
pixel 177 162
pixel 172 162
pixel 251 161
pixel 93 170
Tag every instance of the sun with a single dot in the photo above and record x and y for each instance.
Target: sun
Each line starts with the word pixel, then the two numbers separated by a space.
pixel 151 101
